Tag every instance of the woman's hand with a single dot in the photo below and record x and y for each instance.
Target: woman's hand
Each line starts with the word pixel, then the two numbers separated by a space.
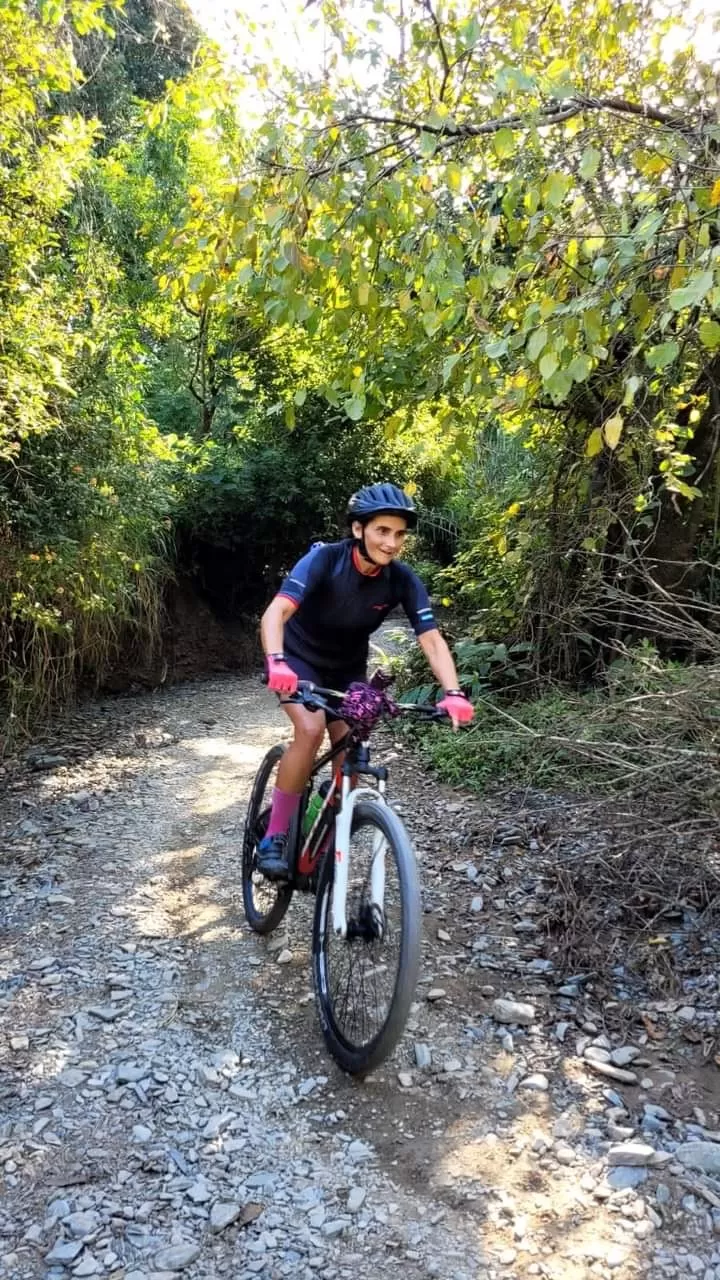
pixel 459 708
pixel 281 677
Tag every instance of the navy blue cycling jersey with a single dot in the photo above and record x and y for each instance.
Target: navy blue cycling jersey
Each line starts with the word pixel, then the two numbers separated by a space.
pixel 339 607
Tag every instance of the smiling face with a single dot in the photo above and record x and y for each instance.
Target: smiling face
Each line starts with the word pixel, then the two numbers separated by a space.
pixel 384 536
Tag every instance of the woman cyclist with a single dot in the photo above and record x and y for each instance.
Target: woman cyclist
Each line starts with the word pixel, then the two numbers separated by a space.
pixel 318 627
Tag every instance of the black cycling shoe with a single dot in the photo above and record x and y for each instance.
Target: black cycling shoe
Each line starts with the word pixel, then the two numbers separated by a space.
pixel 271 858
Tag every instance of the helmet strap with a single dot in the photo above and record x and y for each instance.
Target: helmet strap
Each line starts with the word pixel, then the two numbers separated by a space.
pixel 362 548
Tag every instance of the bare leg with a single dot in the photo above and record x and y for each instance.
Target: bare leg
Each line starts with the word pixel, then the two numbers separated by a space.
pixel 337 730
pixel 298 760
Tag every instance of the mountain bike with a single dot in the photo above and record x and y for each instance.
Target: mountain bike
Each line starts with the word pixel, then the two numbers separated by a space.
pixel 349 848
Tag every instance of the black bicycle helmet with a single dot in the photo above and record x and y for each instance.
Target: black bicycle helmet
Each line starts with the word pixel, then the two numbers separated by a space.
pixel 382 499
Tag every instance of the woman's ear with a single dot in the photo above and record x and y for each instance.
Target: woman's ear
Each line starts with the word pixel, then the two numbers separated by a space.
pixel 357 529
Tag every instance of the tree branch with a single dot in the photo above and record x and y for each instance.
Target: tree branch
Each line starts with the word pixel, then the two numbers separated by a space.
pixel 554 113
pixel 427 5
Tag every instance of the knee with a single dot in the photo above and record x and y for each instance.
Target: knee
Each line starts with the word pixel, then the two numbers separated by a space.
pixel 309 740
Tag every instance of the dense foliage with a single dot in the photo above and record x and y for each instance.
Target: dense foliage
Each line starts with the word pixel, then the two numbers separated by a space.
pixel 475 252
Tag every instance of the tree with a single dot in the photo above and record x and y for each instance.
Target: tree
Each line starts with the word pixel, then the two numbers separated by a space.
pixel 519 220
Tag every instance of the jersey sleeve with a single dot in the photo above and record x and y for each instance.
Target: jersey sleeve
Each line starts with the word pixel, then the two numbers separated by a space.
pixel 416 602
pixel 305 575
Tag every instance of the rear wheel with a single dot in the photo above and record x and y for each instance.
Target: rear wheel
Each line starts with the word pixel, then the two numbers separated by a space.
pixel 365 983
pixel 265 902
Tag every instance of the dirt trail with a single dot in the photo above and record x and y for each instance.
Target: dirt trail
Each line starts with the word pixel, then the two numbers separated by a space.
pixel 165 1102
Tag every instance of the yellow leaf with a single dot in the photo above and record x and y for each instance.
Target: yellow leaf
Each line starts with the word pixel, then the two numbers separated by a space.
pixel 446 601
pixel 363 294
pixel 715 193
pixel 404 300
pixel 594 443
pixel 411 488
pixel 612 431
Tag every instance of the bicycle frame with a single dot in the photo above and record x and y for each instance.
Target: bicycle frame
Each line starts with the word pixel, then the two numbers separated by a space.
pixel 312 848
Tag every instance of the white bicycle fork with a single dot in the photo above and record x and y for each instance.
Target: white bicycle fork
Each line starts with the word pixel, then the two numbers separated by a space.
pixel 343 825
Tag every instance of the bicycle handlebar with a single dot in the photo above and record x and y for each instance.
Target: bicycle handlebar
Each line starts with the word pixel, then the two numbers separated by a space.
pixel 312 694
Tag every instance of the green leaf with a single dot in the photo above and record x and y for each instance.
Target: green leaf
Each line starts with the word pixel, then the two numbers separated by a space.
pixel 660 356
pixel 579 368
pixel 548 365
pixel 590 162
pixel 676 485
pixel 355 408
pixel 497 349
pixel 449 364
pixel 503 143
pixel 710 334
pixel 594 443
pixel 555 188
pixel 693 292
pixel 428 143
pixel 536 342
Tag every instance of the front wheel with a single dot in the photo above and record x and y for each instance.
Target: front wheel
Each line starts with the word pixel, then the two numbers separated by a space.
pixel 365 983
pixel 265 902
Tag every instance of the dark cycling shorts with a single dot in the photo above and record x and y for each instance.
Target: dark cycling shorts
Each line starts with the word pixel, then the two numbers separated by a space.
pixel 339 680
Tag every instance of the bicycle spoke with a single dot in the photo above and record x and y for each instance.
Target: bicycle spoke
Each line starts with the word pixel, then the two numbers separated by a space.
pixel 362 970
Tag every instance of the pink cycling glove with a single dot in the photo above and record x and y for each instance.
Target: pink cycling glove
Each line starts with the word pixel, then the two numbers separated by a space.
pixel 281 677
pixel 458 707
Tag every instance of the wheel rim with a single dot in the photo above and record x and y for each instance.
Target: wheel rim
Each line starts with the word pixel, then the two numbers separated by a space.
pixel 358 975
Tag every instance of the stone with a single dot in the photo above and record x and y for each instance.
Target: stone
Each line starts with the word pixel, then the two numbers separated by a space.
pixel 129 1073
pixel 141 1133
pixel 536 1081
pixel 477 903
pixel 87 1266
pixel 176 1257
pixel 701 1156
pixel 610 1072
pixel 64 1251
pixel 72 1078
pixel 405 1079
pixel 624 1055
pixel 359 1152
pixel 198 1193
pixel 423 1057
pixel 82 1223
pixel 331 1230
pixel 217 1123
pixel 356 1199
pixel 632 1154
pixel 106 1012
pixel 564 1154
pixel 436 993
pixel 594 1053
pixel 285 956
pixel 622 1177
pixel 19 1043
pixel 223 1214
pixel 513 1011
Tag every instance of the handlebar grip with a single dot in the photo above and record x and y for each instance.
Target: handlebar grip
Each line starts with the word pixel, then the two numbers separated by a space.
pixel 264 678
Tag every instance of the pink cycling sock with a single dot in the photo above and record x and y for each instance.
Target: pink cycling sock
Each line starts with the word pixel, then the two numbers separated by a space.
pixel 284 807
